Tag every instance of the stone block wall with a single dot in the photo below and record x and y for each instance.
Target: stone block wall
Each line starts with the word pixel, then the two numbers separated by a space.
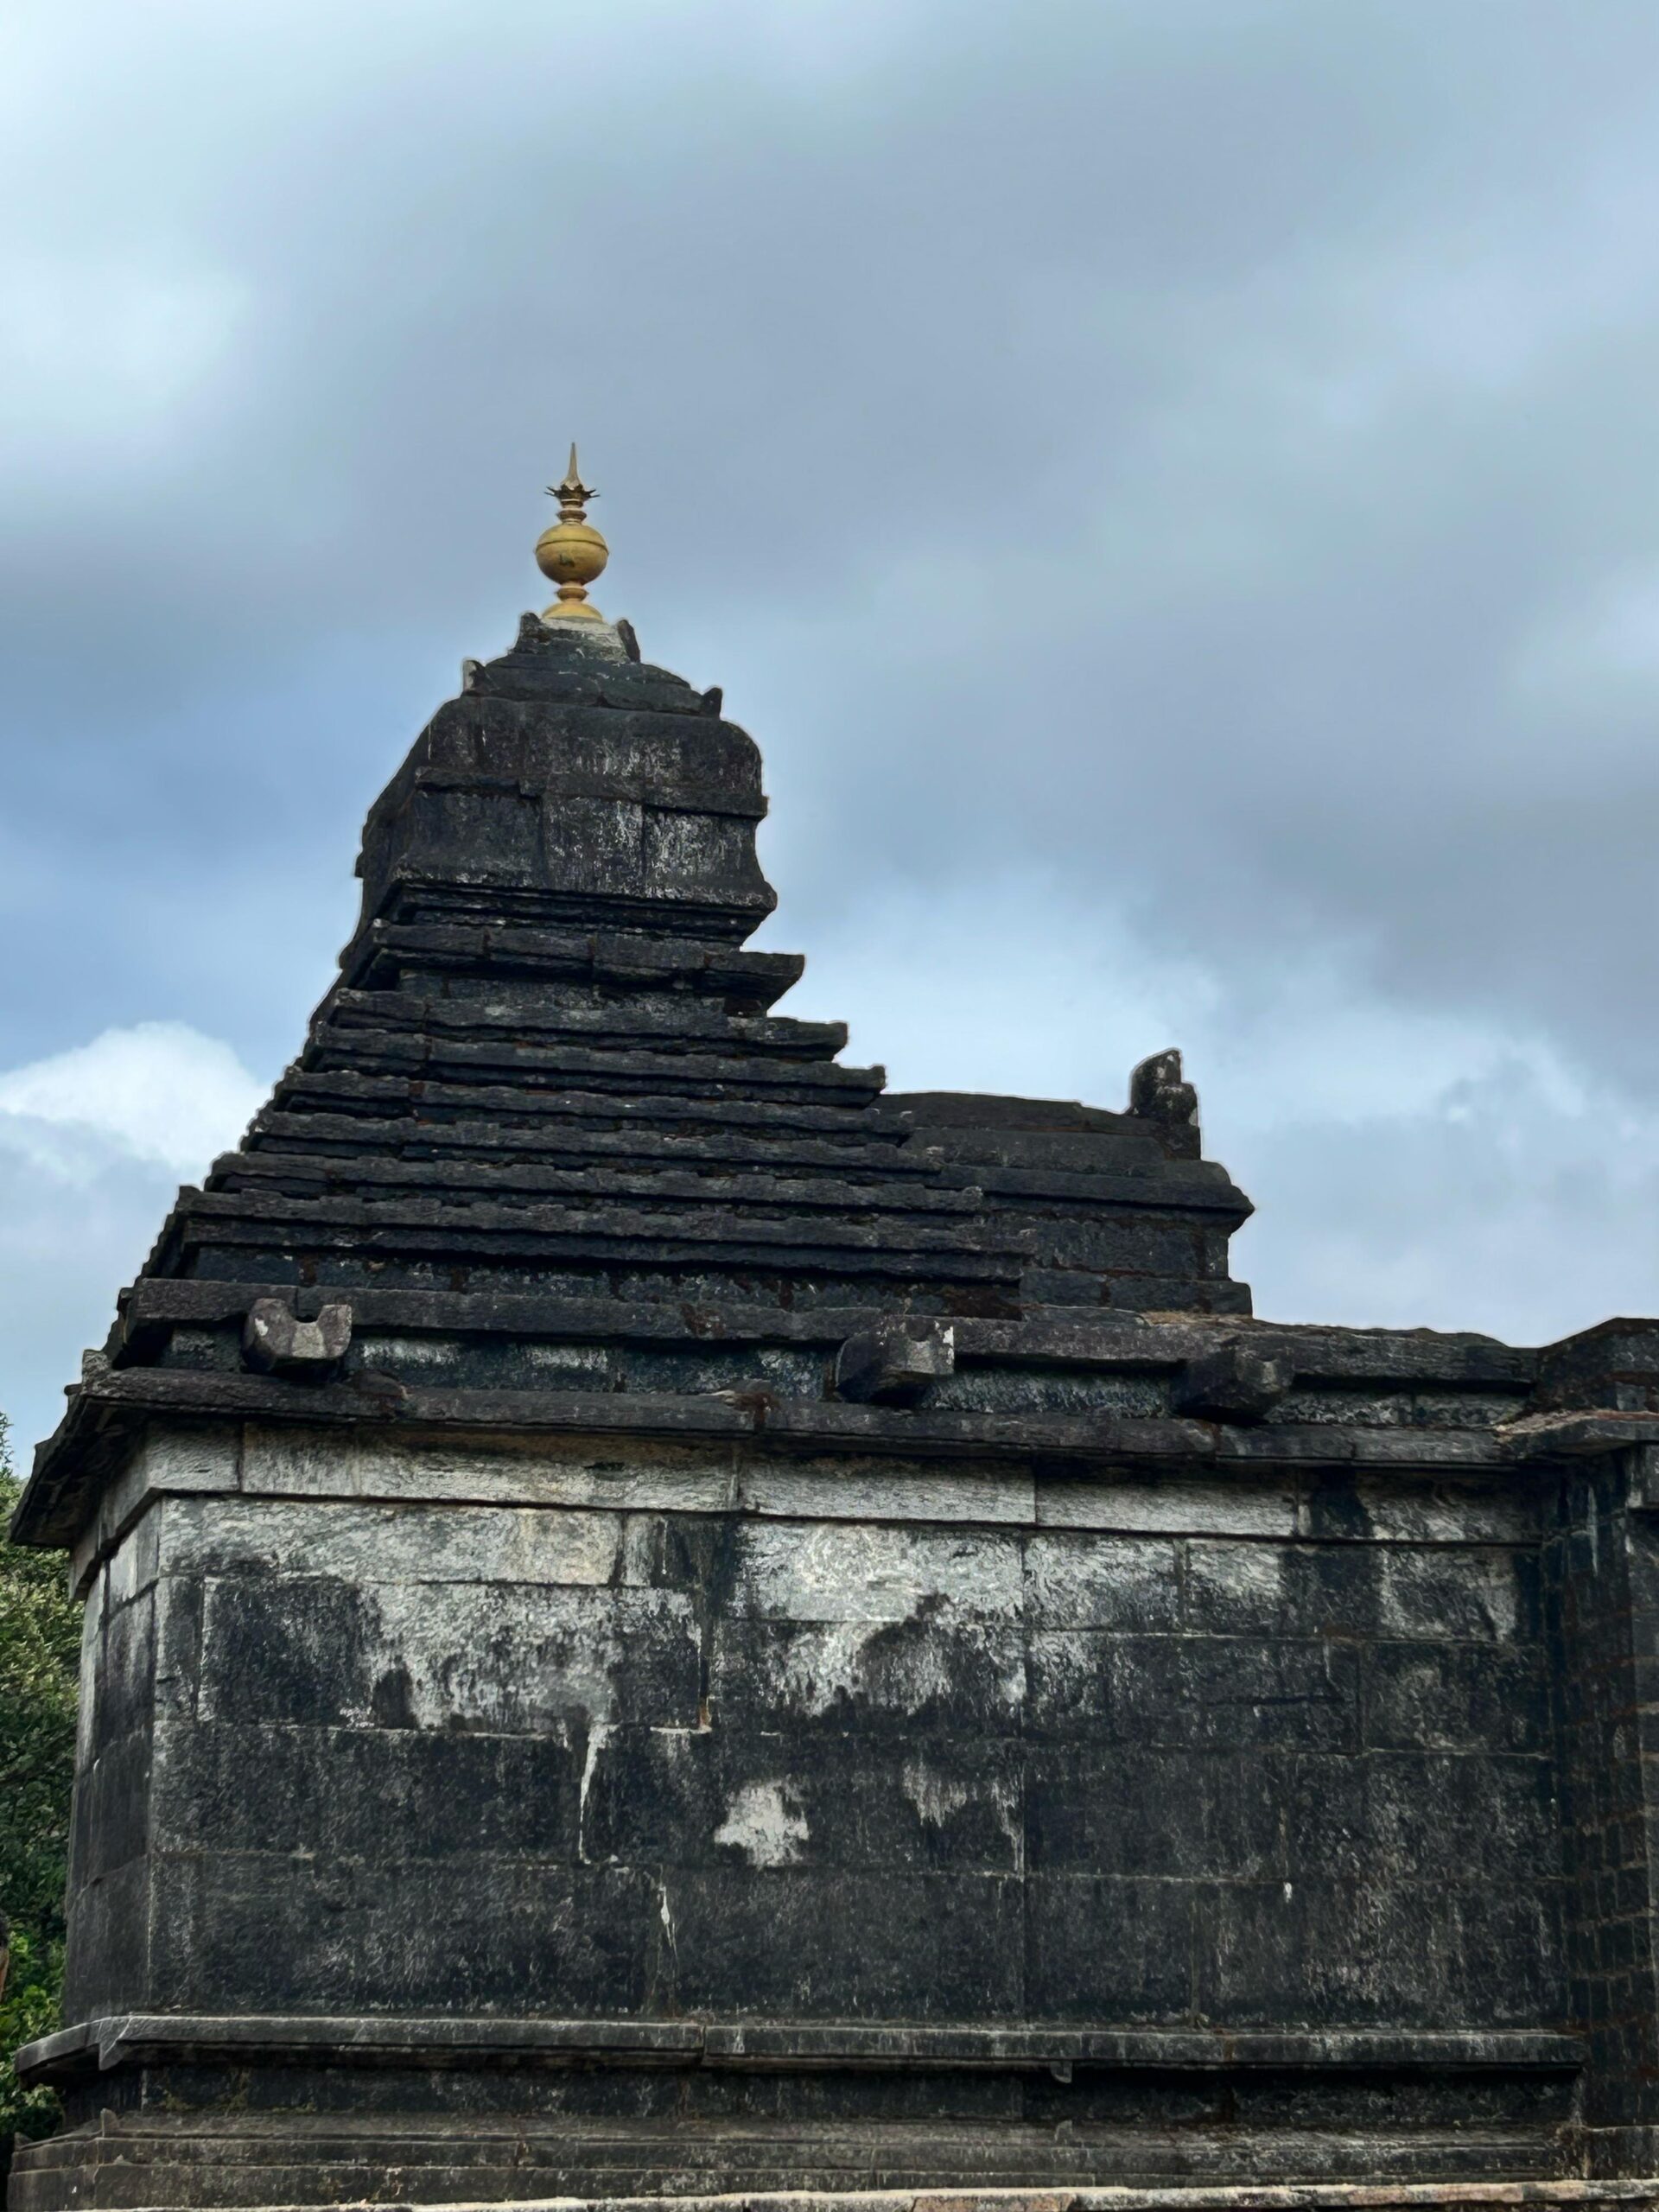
pixel 394 1729
pixel 1601 1584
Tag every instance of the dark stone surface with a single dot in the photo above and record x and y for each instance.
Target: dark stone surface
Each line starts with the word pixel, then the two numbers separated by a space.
pixel 1234 1383
pixel 660 1618
pixel 897 1362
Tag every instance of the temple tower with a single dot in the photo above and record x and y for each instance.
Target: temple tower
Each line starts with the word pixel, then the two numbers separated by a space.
pixel 663 1620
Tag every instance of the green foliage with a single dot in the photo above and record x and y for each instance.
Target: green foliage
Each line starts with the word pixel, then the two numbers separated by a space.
pixel 28 2009
pixel 39 1651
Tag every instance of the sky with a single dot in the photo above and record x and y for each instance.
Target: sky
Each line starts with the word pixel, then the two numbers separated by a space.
pixel 1172 485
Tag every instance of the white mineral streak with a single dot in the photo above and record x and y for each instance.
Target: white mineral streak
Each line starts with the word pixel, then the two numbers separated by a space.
pixel 300 1463
pixel 857 1663
pixel 935 1796
pixel 188 1459
pixel 820 1672
pixel 1466 1591
pixel 1244 1582
pixel 578 1359
pixel 898 1492
pixel 398 1543
pixel 409 1351
pixel 762 1823
pixel 1423 1514
pixel 506 1657
pixel 1100 1582
pixel 1172 1507
pixel 831 1572
pixel 598 1737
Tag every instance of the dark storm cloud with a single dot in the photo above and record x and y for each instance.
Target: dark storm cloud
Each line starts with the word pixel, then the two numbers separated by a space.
pixel 1225 397
pixel 1181 475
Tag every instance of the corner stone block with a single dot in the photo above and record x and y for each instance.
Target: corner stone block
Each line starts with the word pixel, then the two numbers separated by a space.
pixel 896 1362
pixel 1613 1368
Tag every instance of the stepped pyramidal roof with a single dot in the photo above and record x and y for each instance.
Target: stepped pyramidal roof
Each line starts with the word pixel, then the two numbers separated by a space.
pixel 550 1076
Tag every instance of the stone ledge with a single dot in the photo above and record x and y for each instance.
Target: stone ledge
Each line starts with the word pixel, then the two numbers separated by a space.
pixel 453 2040
pixel 1353 2196
pixel 1294 2196
pixel 1106 1342
pixel 110 1409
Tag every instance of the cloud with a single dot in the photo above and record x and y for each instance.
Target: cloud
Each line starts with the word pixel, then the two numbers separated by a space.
pixel 92 1143
pixel 1408 1171
pixel 1175 481
pixel 159 1092
pixel 1498 1208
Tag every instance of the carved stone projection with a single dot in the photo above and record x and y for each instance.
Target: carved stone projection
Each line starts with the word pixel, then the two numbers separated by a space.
pixel 660 1620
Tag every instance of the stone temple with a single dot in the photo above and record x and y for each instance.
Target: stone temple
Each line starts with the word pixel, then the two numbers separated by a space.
pixel 662 1620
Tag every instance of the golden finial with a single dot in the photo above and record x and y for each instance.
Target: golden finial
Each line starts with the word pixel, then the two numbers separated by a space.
pixel 571 552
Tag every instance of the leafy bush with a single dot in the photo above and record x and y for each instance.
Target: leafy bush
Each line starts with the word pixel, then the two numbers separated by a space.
pixel 40 1650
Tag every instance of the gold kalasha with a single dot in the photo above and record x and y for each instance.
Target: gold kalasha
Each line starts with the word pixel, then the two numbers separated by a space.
pixel 571 553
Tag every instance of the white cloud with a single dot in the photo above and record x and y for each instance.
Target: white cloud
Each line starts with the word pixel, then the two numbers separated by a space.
pixel 1501 1207
pixel 1249 562
pixel 160 1092
pixel 1409 1169
pixel 77 1216
pixel 93 1143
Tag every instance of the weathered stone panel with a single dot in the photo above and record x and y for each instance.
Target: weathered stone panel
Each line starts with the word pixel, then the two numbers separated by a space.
pixel 982 1772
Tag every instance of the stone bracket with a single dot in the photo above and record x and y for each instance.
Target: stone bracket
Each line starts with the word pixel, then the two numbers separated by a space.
pixel 897 1362
pixel 275 1341
pixel 1233 1383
